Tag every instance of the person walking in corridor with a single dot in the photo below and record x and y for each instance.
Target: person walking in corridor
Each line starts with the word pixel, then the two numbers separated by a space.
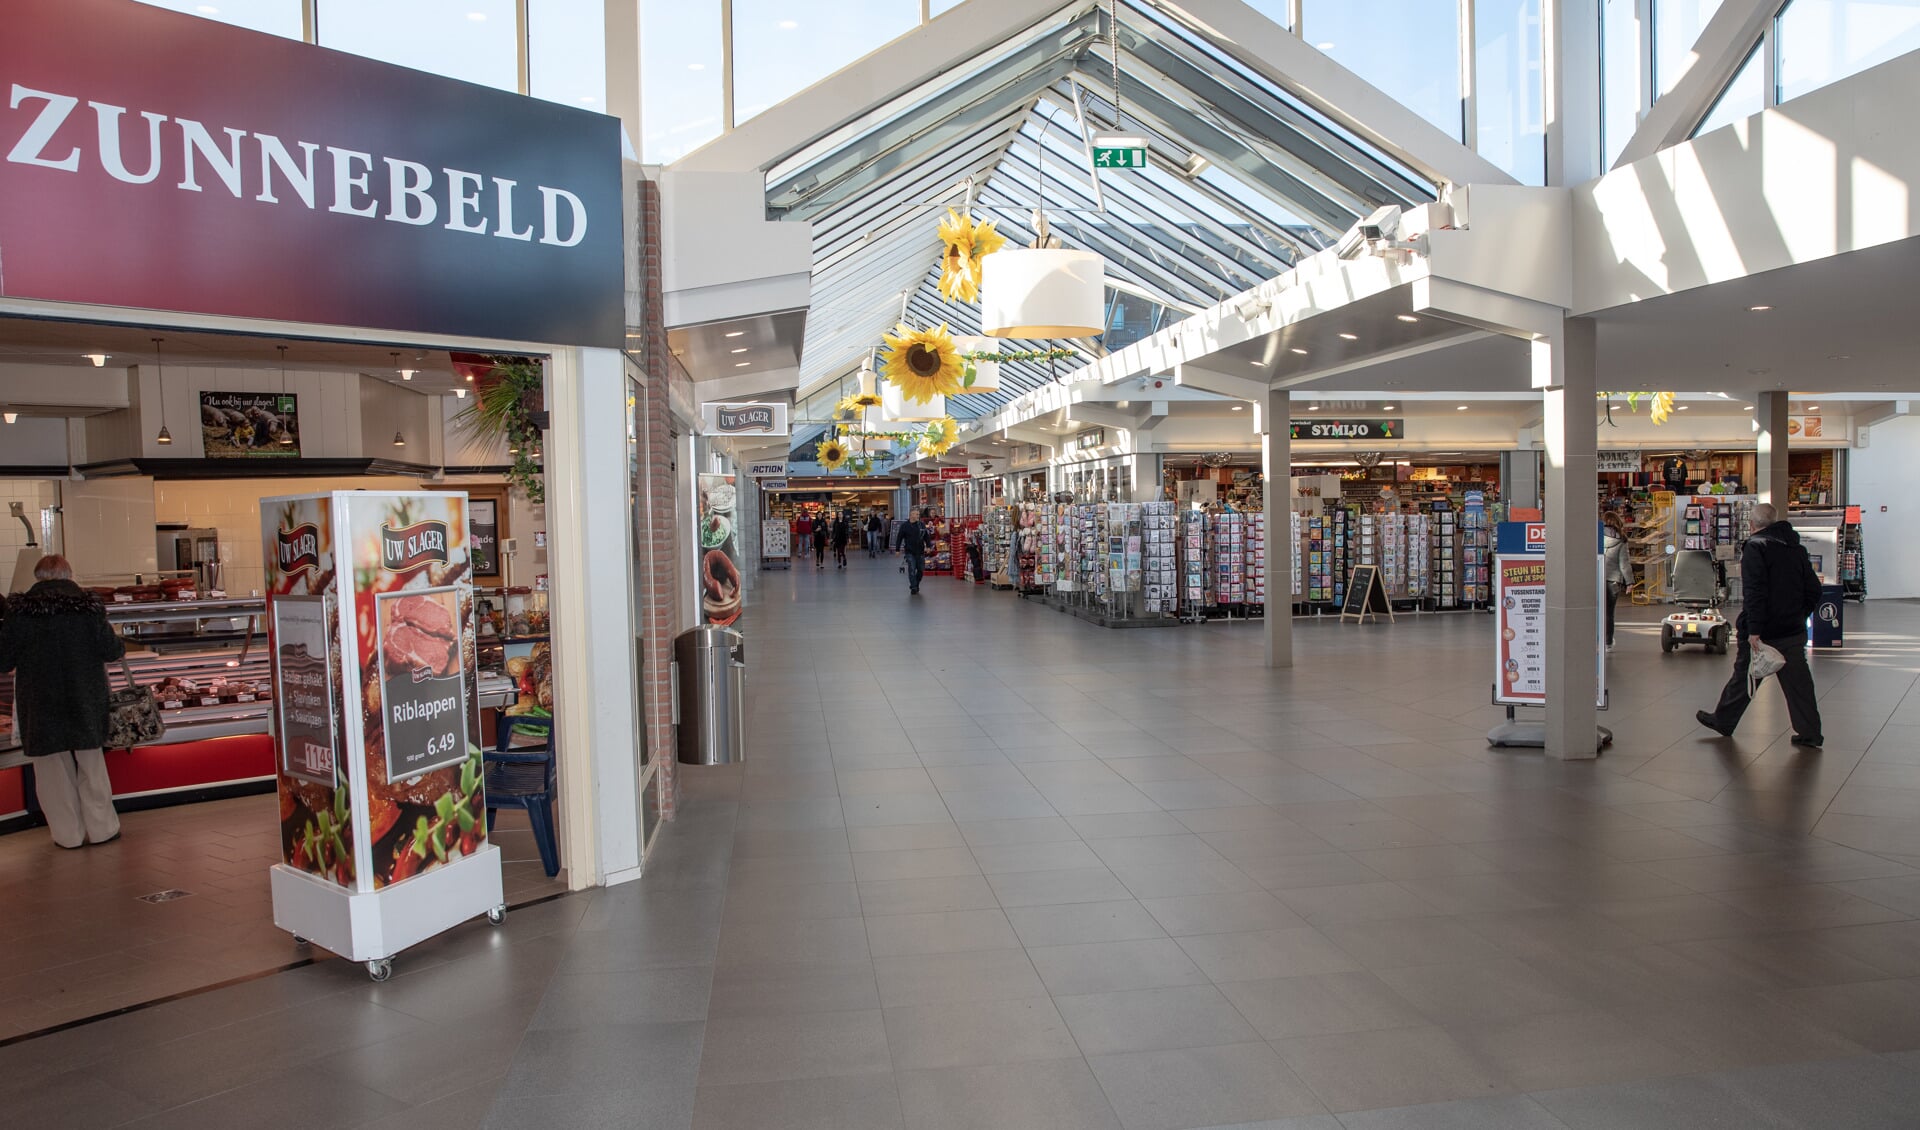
pixel 820 531
pixel 913 543
pixel 876 534
pixel 57 637
pixel 1619 567
pixel 1778 591
pixel 842 533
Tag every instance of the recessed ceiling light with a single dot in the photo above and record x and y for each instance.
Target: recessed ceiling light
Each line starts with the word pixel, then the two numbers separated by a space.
pixel 1256 364
pixel 1386 408
pixel 1461 408
pixel 1813 408
pixel 1680 407
pixel 1239 408
pixel 741 364
pixel 1406 317
pixel 1746 408
pixel 742 349
pixel 1758 309
pixel 1351 337
pixel 1298 350
pixel 1313 408
pixel 736 333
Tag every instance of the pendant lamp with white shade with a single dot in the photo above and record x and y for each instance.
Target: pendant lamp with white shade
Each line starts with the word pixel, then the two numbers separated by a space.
pixel 1043 292
pixel 895 406
pixel 986 374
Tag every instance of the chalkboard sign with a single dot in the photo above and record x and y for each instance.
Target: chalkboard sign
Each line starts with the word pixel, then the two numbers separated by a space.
pixel 1366 595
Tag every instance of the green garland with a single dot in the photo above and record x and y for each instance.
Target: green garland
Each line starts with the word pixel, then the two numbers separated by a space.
pixel 1055 354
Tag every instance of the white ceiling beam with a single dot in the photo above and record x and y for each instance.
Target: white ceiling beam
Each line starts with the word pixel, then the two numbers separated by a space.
pixel 1232 385
pixel 1289 62
pixel 1723 45
pixel 924 55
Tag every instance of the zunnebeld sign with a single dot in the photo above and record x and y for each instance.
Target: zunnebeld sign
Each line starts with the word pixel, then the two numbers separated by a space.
pixel 161 161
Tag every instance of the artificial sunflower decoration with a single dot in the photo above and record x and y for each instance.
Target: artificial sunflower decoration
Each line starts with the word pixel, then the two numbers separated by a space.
pixel 940 435
pixel 832 452
pixel 856 404
pixel 923 364
pixel 1659 404
pixel 966 243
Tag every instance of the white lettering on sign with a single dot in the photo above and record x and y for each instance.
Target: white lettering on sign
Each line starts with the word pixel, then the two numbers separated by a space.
pixel 220 156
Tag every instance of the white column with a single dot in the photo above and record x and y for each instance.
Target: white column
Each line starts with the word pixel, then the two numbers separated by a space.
pixel 1572 59
pixel 1563 368
pixel 1276 447
pixel 589 560
pixel 1770 427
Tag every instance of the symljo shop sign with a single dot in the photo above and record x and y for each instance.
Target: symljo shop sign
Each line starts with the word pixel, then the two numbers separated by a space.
pixel 744 419
pixel 155 160
pixel 1349 429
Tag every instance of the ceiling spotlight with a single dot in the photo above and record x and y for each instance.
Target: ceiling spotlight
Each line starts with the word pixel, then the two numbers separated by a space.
pixel 459 393
pixel 1813 408
pixel 1406 317
pixel 407 374
pixel 1298 350
pixel 1239 408
pixel 399 440
pixel 9 417
pixel 165 436
pixel 1746 408
pixel 1350 337
pixel 742 349
pixel 736 333
pixel 1313 408
pixel 98 359
pixel 741 364
pixel 1386 408
pixel 1758 309
pixel 1461 408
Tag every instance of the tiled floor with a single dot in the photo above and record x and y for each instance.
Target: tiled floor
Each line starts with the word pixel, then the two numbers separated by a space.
pixel 77 939
pixel 990 867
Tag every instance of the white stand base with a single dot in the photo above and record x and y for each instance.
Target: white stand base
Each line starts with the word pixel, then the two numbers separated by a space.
pixel 372 926
pixel 1526 734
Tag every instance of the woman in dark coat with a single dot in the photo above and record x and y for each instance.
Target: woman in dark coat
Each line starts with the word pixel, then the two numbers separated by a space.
pixel 56 637
pixel 842 534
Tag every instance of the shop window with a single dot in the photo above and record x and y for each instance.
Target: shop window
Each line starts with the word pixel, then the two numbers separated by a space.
pixel 1510 123
pixel 1824 41
pixel 275 17
pixel 680 77
pixel 473 40
pixel 1620 97
pixel 1676 27
pixel 781 47
pixel 1744 96
pixel 1410 49
pixel 567 52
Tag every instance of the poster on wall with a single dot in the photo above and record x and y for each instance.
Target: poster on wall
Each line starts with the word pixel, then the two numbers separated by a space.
pixel 719 565
pixel 483 519
pixel 250 425
pixel 316 804
pixel 414 627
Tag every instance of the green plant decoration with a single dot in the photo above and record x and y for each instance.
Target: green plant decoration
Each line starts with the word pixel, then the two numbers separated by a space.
pixel 502 409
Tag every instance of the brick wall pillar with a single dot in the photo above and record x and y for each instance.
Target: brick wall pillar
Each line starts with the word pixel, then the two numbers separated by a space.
pixel 657 552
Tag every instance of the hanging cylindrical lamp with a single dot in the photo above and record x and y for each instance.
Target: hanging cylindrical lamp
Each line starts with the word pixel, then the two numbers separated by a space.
pixel 895 406
pixel 986 374
pixel 1042 292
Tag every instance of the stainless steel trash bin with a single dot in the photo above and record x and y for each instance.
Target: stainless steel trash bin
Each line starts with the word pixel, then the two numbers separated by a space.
pixel 713 685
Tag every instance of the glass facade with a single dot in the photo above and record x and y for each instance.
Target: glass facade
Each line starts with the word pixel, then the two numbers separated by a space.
pixel 474 40
pixel 1744 96
pixel 682 104
pixel 1676 27
pixel 1824 41
pixel 567 52
pixel 1620 90
pixel 780 48
pixel 275 17
pixel 1509 91
pixel 1408 48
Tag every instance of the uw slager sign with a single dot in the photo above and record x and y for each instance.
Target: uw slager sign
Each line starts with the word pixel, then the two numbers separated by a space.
pixel 156 160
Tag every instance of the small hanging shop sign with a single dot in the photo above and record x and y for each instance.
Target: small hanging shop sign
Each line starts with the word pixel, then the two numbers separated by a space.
pixel 1348 429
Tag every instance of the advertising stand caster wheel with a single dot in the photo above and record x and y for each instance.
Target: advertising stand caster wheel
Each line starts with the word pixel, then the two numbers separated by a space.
pixel 300 941
pixel 380 969
pixel 497 915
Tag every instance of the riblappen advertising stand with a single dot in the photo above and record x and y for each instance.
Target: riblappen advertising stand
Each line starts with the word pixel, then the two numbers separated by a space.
pixel 382 816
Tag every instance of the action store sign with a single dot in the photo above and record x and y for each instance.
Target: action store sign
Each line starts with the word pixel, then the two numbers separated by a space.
pixel 161 161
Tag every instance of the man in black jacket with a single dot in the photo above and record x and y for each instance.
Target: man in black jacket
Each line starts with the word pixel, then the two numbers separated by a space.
pixel 1778 591
pixel 913 542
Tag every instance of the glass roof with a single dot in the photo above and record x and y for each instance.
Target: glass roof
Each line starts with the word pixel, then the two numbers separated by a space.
pixel 1244 178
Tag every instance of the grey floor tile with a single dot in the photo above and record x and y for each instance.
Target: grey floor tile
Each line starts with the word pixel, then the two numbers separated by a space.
pixel 1047 888
pixel 895 808
pixel 940 932
pixel 838 1102
pixel 1059 855
pixel 1687 1100
pixel 1861 1093
pixel 1221 913
pixel 918 863
pixel 1055 1094
pixel 759 990
pixel 1571 1049
pixel 1391 1067
pixel 303 1100
pixel 1082 922
pixel 1508 1112
pixel 1320 1005
pixel 1153 1019
pixel 820 941
pixel 884 897
pixel 1470 992
pixel 594 1110
pixel 1883 1016
pixel 977 1033
pixel 1001 833
pixel 1207 877
pixel 904 837
pixel 1261 954
pixel 1211 1086
pixel 1319 869
pixel 1106 967
pixel 975 975
pixel 1355 902
pixel 773 902
pixel 762 1049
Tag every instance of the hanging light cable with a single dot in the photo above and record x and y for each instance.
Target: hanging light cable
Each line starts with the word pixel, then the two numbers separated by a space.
pixel 160 373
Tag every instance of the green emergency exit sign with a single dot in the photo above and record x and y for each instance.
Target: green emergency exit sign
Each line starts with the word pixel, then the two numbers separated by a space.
pixel 1119 151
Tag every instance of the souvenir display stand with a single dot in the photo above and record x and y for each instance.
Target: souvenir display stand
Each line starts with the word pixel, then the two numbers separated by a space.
pixel 377 737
